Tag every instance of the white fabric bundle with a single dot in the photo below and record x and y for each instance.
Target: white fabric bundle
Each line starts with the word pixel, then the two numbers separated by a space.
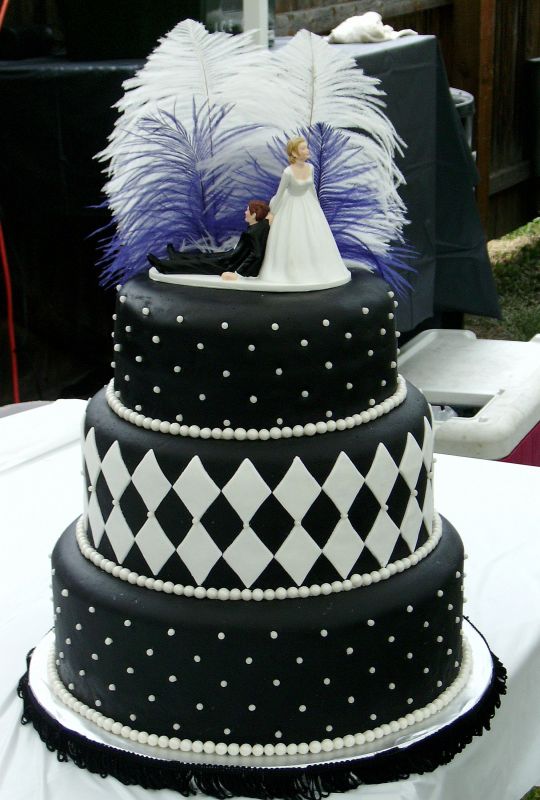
pixel 367 27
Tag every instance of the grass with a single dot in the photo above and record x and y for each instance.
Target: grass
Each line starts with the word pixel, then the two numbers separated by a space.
pixel 515 260
pixel 533 794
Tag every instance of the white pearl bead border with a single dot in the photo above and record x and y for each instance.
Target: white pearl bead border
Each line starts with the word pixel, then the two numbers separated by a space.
pixel 356 581
pixel 252 434
pixel 246 749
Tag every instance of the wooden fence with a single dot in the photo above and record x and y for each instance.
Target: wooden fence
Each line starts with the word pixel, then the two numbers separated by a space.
pixel 485 46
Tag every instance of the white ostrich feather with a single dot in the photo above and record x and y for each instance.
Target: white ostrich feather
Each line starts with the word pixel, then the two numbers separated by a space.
pixel 188 65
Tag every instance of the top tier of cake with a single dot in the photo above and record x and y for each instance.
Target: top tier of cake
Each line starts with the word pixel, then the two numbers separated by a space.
pixel 254 359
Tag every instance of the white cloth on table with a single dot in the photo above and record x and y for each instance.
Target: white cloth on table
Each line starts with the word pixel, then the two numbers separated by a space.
pixel 300 247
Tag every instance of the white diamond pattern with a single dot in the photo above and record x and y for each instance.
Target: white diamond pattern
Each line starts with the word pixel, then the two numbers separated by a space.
pixel 428 508
pixel 411 462
pixel 91 457
pixel 382 538
pixel 115 471
pixel 343 547
pixel 298 554
pixel 199 552
pixel 247 556
pixel 343 483
pixel 382 474
pixel 297 490
pixel 195 488
pixel 154 544
pixel 246 491
pixel 150 481
pixel 427 445
pixel 95 518
pixel 119 533
pixel 412 520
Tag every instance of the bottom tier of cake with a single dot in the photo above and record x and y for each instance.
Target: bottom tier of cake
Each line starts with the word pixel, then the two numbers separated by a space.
pixel 280 672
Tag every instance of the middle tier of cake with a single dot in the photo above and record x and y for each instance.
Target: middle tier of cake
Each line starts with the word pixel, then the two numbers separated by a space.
pixel 259 515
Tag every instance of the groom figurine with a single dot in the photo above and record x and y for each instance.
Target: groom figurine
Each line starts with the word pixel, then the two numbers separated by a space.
pixel 245 259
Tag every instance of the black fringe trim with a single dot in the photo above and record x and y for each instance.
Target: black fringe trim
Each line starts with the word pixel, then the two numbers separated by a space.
pixel 299 783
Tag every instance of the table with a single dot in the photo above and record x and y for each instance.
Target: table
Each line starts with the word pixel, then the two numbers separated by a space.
pixel 41 492
pixel 57 115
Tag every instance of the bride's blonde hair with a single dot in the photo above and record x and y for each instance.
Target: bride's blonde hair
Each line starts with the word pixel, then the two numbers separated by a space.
pixel 292 148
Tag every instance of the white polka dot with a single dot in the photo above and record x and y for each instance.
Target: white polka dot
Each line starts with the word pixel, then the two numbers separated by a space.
pixel 226 373
pixel 200 706
pixel 299 660
pixel 371 622
pixel 95 657
pixel 326 681
pixel 365 310
pixel 302 708
pixel 326 322
pixel 251 347
pixel 328 365
pixel 252 399
pixel 112 687
pixel 224 325
pixel 196 658
pixel 372 670
pixel 157 389
pixel 409 609
pixel 156 339
pixel 171 632
pixel 176 726
pixel 279 371
pixel 151 698
pixel 145 311
pixel 202 397
pixel 97 703
pixel 304 342
pixel 276 682
pixel 130 670
pixel 275 326
pixel 348 335
pixel 252 707
pixel 200 346
pixel 177 368
pixel 223 684
pixel 179 417
pixel 349 386
pixel 350 699
pixel 172 678
pixel 249 660
pixel 221 635
pixel 329 728
pixel 350 651
pixel 328 414
pixel 278 734
pixel 324 632
pixel 273 634
pixel 305 393
pixel 226 731
pixel 149 652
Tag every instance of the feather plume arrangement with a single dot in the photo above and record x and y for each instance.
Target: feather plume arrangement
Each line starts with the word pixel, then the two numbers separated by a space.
pixel 202 130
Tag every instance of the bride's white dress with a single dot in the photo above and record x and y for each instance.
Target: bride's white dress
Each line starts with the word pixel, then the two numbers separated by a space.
pixel 300 247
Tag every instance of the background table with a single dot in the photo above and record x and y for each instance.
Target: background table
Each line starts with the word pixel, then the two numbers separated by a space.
pixel 493 505
pixel 57 115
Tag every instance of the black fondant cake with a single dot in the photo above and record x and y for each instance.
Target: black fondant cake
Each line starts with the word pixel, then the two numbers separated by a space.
pixel 277 578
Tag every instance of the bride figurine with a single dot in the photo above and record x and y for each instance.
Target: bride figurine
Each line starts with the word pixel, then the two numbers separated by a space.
pixel 300 247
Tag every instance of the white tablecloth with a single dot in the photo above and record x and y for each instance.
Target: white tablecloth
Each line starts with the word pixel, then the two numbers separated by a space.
pixel 495 507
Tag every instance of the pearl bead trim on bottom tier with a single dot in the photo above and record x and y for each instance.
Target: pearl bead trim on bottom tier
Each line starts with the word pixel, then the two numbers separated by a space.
pixel 246 749
pixel 252 434
pixel 355 581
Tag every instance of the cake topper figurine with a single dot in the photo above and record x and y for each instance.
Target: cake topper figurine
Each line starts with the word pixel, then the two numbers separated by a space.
pixel 245 259
pixel 204 124
pixel 301 248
